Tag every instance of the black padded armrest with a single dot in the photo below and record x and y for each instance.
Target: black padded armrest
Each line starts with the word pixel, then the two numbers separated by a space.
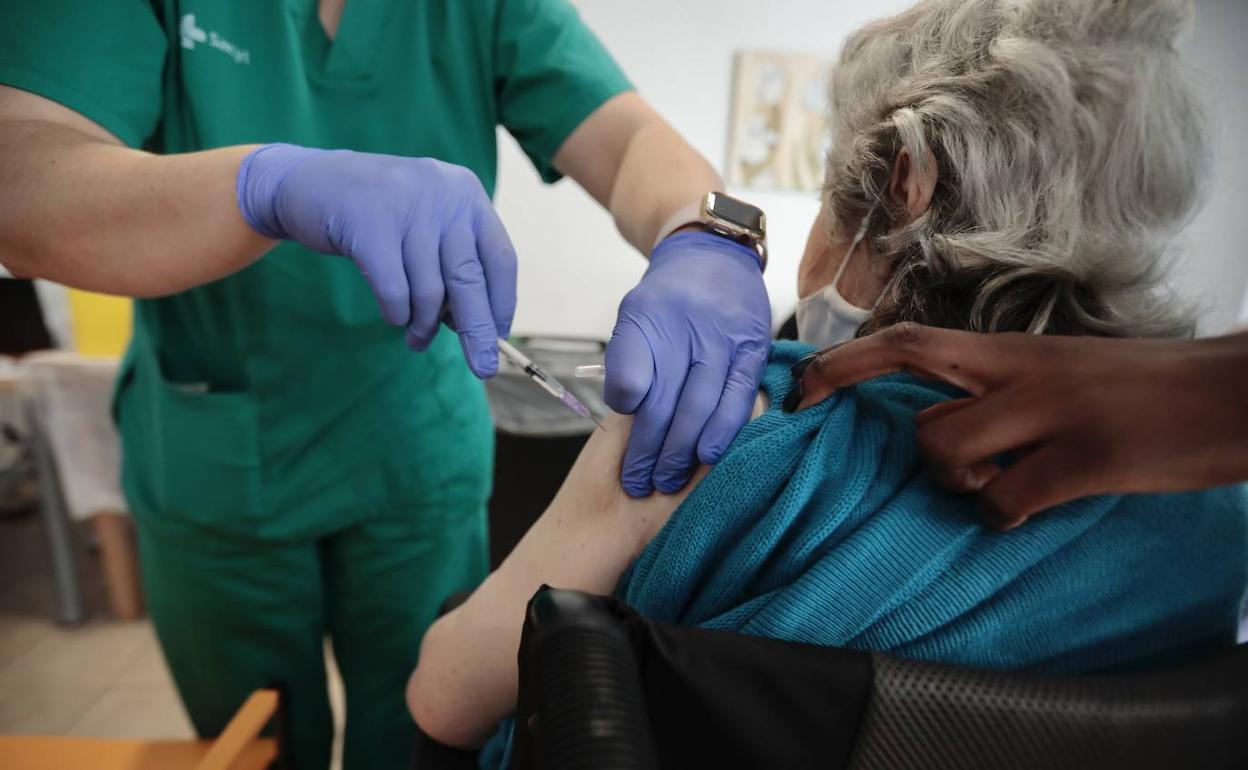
pixel 601 686
pixel 580 704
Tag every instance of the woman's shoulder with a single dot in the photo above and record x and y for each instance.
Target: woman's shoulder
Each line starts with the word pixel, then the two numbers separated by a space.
pixel 1195 515
pixel 877 416
pixel 899 396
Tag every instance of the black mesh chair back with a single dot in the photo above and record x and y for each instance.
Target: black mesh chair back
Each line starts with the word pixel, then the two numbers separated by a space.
pixel 934 716
pixel 601 687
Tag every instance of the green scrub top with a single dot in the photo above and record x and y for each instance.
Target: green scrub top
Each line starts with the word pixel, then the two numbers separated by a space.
pixel 276 403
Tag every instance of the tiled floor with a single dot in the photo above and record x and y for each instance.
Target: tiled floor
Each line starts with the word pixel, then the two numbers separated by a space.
pixel 102 679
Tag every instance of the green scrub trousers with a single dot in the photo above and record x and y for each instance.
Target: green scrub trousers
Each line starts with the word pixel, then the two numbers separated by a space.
pixel 234 616
pixel 294 471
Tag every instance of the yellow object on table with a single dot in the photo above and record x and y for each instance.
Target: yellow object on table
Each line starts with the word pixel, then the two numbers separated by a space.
pixel 101 323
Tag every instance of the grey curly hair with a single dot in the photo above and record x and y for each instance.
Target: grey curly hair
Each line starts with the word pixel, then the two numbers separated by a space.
pixel 1070 148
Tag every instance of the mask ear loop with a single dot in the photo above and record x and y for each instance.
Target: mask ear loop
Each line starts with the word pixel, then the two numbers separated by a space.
pixel 853 247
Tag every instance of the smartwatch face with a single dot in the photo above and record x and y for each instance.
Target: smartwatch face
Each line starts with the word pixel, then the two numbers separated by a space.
pixel 737 212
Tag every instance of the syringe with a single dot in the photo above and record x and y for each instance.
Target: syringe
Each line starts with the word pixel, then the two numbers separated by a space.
pixel 547 383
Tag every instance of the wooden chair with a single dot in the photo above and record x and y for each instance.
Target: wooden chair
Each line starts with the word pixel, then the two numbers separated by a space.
pixel 239 747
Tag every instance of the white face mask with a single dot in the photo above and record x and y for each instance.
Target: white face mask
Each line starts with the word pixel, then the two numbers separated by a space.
pixel 826 318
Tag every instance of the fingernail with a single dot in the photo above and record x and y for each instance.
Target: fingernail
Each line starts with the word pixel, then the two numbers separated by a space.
pixel 637 490
pixel 996 519
pixel 486 367
pixel 799 368
pixel 794 398
pixel 415 341
pixel 671 485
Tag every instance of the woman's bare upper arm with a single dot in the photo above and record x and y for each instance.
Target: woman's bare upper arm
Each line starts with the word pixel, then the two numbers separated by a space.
pixel 592 489
pixel 590 533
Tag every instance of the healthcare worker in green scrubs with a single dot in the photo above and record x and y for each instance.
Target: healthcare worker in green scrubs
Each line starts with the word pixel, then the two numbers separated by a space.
pixel 294 470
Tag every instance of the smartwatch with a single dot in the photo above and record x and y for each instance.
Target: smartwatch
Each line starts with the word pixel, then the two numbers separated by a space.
pixel 726 216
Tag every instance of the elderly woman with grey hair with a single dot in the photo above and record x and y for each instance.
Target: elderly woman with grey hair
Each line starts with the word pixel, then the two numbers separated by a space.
pixel 996 165
pixel 1017 166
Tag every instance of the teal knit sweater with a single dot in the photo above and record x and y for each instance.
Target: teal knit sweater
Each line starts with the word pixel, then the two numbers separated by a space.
pixel 822 527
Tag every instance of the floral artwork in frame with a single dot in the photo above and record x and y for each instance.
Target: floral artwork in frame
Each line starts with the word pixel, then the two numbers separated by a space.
pixel 779 129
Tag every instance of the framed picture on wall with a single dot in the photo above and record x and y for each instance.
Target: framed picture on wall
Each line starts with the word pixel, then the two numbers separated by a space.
pixel 778 129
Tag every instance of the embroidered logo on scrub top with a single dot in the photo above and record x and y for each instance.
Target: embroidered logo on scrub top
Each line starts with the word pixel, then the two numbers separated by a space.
pixel 191 33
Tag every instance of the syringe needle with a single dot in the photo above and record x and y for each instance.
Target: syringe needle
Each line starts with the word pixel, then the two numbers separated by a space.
pixel 544 380
pixel 590 370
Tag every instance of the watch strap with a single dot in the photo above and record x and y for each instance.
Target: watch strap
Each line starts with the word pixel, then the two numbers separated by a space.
pixel 695 214
pixel 685 215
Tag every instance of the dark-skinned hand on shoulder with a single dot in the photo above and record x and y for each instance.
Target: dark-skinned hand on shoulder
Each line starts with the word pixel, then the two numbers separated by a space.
pixel 1080 415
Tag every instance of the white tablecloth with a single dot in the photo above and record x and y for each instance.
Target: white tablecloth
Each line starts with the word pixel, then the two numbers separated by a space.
pixel 72 395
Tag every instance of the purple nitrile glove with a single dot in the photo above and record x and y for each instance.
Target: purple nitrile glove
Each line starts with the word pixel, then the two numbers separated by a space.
pixel 423 233
pixel 686 356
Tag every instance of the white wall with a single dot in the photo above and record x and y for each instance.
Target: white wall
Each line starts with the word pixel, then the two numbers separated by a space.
pixel 1215 266
pixel 574 268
